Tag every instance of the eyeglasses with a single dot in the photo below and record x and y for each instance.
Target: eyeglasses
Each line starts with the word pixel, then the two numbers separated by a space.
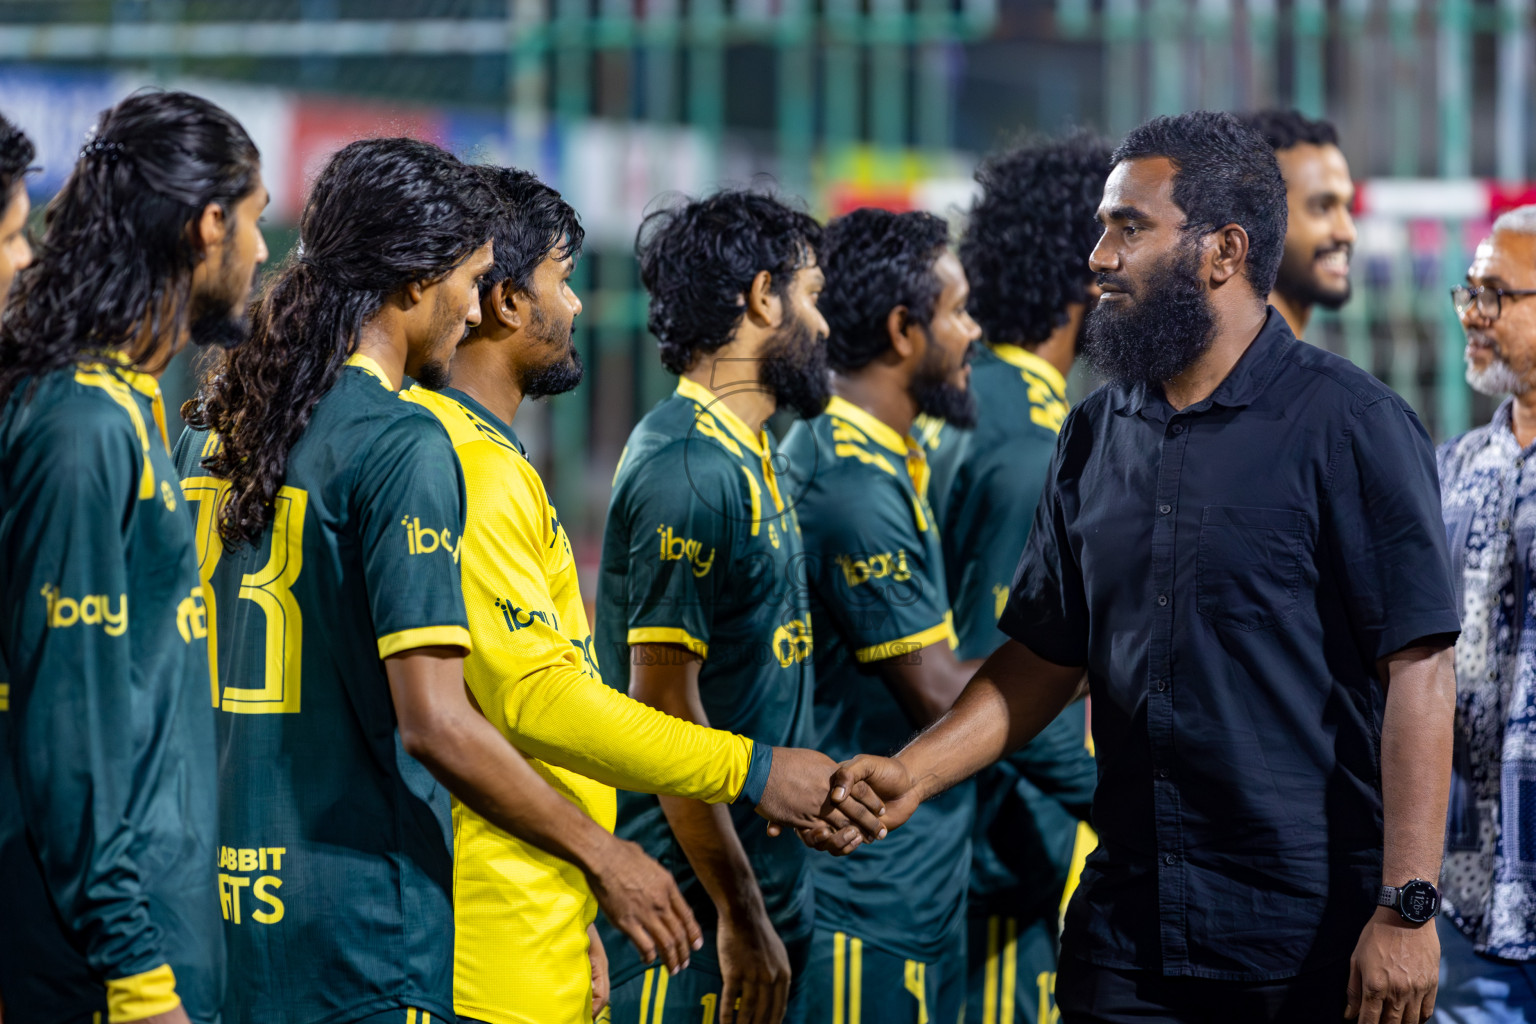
pixel 1489 300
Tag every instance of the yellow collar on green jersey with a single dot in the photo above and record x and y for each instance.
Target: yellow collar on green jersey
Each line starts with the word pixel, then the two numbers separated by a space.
pixel 689 388
pixel 876 429
pixel 1024 359
pixel 363 362
pixel 144 383
pixel 883 434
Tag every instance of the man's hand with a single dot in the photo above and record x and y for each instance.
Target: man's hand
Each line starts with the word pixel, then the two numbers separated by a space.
pixel 797 795
pixel 755 968
pixel 884 778
pixel 642 901
pixel 1395 971
pixel 599 957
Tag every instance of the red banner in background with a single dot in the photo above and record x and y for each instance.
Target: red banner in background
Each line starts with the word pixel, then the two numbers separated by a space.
pixel 322 126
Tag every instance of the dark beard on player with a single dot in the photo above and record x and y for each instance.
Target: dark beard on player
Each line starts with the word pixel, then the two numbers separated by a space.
pixel 217 319
pixel 1168 325
pixel 936 396
pixel 433 376
pixel 794 369
pixel 553 378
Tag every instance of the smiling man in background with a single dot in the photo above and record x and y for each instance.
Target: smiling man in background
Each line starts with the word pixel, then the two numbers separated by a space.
pixel 1320 234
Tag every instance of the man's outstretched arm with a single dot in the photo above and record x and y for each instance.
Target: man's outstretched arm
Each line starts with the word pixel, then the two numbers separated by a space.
pixel 1014 695
pixel 442 730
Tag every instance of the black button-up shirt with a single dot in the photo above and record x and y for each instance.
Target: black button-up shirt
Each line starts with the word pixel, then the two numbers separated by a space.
pixel 1229 574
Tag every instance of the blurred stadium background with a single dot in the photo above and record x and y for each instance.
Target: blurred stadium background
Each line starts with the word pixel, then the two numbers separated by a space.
pixel 843 102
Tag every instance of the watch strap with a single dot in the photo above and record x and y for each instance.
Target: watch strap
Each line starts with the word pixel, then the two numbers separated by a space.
pixel 1389 896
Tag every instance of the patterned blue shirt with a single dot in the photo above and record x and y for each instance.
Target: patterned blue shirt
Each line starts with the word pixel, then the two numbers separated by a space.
pixel 1489 876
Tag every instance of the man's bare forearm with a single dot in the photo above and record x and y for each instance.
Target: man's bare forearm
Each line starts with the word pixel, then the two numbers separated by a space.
pixel 1416 743
pixel 1014 695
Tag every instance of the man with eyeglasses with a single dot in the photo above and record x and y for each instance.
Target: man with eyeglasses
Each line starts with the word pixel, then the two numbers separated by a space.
pixel 1488 879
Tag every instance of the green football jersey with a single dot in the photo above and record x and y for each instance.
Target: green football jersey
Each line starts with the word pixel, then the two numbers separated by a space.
pixel 987 482
pixel 876 570
pixel 335 866
pixel 702 549
pixel 108 801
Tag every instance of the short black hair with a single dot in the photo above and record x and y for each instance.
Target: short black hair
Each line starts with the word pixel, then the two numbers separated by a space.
pixel 1224 173
pixel 535 222
pixel 1287 128
pixel 16 153
pixel 698 257
pixel 1031 231
pixel 874 261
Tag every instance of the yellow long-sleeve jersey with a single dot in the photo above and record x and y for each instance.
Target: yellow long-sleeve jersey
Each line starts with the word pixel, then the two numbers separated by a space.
pixel 521 915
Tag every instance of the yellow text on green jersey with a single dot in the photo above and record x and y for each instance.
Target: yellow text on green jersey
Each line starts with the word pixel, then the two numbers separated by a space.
pixel 90 610
pixel 677 548
pixel 423 540
pixel 257 869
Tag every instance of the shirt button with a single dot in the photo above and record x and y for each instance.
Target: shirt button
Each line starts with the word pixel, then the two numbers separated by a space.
pixel 1162 684
pixel 1165 509
pixel 1169 858
pixel 1178 428
pixel 1519 463
pixel 1503 525
pixel 1162 773
pixel 1162 600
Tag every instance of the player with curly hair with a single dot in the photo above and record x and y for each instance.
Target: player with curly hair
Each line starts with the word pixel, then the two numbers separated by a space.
pixel 1025 252
pixel 16 153
pixel 890 922
pixel 1319 233
pixel 701 611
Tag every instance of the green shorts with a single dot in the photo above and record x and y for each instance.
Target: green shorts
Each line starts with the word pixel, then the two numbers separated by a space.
pixel 693 996
pixel 1011 976
pixel 854 982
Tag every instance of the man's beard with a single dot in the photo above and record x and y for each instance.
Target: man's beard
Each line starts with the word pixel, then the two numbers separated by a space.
pixel 794 369
pixel 218 317
pixel 1168 326
pixel 1495 379
pixel 552 378
pixel 1301 286
pixel 935 395
pixel 432 375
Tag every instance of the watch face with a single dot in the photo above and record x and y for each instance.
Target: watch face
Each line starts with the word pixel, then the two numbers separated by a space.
pixel 1420 901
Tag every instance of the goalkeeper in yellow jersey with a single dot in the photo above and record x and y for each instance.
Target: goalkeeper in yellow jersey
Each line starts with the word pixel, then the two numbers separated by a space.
pixel 524 918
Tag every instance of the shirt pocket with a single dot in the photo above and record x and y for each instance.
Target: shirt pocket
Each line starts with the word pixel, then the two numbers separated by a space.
pixel 1249 567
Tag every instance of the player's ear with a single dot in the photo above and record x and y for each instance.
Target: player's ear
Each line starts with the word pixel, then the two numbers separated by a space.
pixel 764 307
pixel 902 332
pixel 212 227
pixel 505 304
pixel 413 293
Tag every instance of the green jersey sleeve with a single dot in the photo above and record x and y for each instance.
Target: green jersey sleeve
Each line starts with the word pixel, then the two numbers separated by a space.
pixel 71 676
pixel 410 508
pixel 882 580
pixel 678 509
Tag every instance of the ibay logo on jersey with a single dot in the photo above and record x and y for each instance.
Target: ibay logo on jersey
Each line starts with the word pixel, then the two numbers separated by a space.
pixel 422 540
pixel 875 567
pixel 192 616
pixel 677 548
pixel 92 610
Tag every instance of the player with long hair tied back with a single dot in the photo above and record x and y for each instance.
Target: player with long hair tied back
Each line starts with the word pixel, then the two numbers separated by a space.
pixel 309 320
pixel 108 804
pixel 115 266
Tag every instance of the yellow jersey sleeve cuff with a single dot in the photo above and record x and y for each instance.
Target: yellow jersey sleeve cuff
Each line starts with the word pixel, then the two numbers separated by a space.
pixel 426 636
pixel 668 635
pixel 142 995
pixel 911 644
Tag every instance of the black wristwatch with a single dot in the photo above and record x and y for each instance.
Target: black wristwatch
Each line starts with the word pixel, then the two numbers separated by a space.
pixel 1418 901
